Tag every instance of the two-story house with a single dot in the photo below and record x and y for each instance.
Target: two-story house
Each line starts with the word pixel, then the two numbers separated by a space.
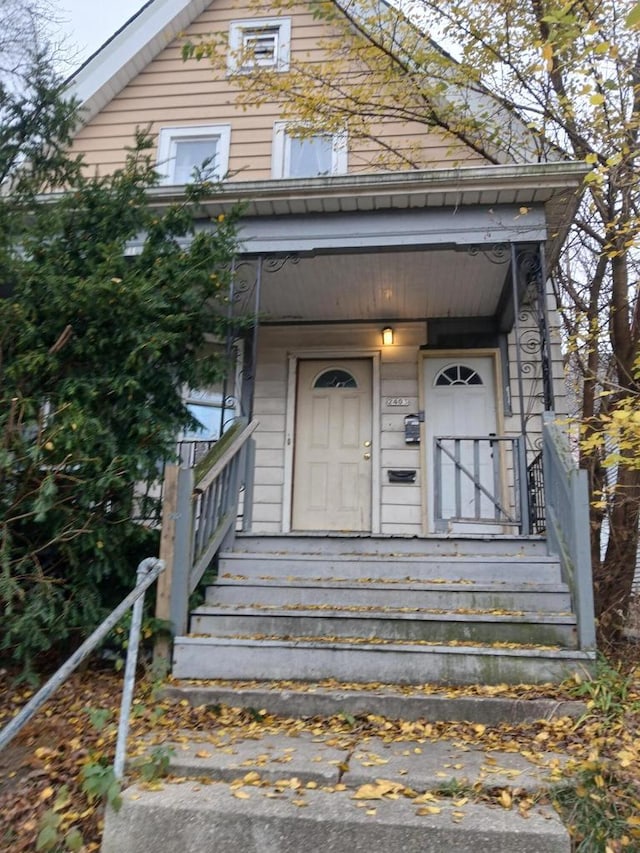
pixel 396 393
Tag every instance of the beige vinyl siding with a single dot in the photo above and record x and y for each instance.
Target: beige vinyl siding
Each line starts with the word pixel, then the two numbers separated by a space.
pixel 269 408
pixel 170 92
pixel 401 503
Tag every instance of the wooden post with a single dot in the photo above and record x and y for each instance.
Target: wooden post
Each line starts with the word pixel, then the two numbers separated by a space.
pixel 162 649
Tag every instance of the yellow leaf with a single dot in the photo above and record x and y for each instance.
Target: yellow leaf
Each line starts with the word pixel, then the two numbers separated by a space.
pixel 43 752
pixel 242 795
pixel 376 791
pixel 251 777
pixel 203 754
pixel 368 792
pixel 425 810
pixel 505 799
pixel 47 793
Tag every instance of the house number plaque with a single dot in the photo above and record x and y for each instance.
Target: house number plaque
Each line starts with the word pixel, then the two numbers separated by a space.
pixel 397 402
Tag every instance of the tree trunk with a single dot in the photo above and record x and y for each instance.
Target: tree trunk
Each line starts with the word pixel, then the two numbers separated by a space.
pixel 613 577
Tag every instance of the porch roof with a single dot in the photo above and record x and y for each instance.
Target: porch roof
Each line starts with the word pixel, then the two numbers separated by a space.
pixel 395 246
pixel 555 186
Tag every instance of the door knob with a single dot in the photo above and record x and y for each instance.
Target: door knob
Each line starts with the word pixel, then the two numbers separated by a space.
pixel 367 456
pixel 367 444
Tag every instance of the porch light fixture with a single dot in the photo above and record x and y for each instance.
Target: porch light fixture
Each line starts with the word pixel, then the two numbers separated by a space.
pixel 387 336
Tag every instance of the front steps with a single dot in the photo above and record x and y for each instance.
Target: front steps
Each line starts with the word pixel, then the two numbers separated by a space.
pixel 375 609
pixel 266 791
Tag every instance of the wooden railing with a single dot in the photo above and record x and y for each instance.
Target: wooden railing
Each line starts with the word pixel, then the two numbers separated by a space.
pixel 199 514
pixel 567 521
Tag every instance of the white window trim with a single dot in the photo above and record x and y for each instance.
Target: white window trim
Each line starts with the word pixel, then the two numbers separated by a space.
pixel 168 137
pixel 237 29
pixel 281 145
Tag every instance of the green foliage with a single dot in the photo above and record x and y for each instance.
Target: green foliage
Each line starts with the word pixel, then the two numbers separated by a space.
pixel 50 835
pixel 51 840
pixel 98 782
pixel 598 808
pixel 607 693
pixel 155 765
pixel 98 717
pixel 96 344
pixel 116 644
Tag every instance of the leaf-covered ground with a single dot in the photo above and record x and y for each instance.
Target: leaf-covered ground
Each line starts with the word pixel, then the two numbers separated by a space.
pixel 54 775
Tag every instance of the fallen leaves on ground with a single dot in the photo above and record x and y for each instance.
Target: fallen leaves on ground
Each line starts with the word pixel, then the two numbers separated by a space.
pixel 40 772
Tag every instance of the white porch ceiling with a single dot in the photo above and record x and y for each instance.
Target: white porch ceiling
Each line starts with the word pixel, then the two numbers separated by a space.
pixel 404 285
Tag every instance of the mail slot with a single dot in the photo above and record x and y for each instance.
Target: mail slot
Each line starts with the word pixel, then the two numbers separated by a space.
pixel 404 476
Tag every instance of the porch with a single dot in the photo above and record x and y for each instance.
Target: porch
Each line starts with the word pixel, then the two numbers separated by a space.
pixel 361 469
pixel 358 607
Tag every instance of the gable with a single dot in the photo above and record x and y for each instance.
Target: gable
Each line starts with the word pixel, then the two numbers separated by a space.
pixel 161 91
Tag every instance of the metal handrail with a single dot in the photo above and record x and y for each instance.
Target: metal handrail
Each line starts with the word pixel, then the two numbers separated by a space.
pixel 148 571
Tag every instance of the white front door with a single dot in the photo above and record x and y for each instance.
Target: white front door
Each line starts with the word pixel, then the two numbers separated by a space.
pixel 460 400
pixel 332 453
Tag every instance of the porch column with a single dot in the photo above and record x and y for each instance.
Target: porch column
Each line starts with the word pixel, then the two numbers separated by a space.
pixel 529 276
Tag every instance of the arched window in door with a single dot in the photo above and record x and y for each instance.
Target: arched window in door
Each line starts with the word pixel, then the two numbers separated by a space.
pixel 335 378
pixel 457 374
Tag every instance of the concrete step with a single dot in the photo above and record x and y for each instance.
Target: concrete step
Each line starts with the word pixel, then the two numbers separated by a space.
pixel 394 625
pixel 194 818
pixel 367 661
pixel 328 758
pixel 321 543
pixel 327 699
pixel 283 794
pixel 397 593
pixel 481 569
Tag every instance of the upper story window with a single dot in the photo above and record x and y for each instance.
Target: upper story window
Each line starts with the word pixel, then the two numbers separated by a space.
pixel 259 42
pixel 309 157
pixel 184 150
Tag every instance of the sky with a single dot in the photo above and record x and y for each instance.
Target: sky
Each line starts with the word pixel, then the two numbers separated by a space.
pixel 89 23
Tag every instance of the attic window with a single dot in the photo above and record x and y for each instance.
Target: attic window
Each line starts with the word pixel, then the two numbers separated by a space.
pixel 260 47
pixel 184 150
pixel 259 43
pixel 307 157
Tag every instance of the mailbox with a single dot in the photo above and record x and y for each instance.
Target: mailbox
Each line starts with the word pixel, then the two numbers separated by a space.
pixel 412 429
